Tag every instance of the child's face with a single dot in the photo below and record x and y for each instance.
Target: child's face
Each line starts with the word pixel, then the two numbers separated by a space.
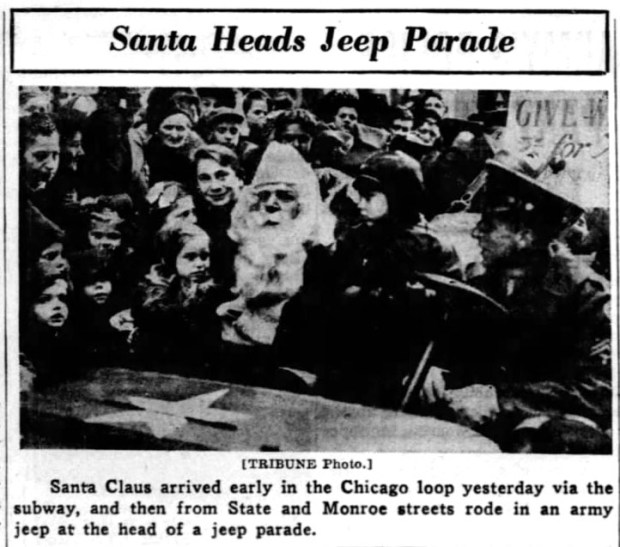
pixel 51 309
pixel 346 119
pixel 104 237
pixel 428 131
pixel 52 260
pixel 436 104
pixel 295 135
pixel 227 134
pixel 218 185
pixel 98 291
pixel 193 262
pixel 373 206
pixel 257 114
pixel 72 151
pixel 40 160
pixel 401 127
pixel 208 104
pixel 183 210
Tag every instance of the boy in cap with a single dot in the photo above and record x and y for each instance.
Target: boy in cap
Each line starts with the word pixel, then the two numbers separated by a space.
pixel 549 359
pixel 363 315
pixel 223 127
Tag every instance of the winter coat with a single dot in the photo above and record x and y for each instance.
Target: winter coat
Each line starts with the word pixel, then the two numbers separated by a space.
pixel 171 164
pixel 363 319
pixel 175 333
pixel 103 346
pixel 53 356
pixel 551 354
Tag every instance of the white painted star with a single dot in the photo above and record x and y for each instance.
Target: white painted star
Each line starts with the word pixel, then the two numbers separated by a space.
pixel 165 417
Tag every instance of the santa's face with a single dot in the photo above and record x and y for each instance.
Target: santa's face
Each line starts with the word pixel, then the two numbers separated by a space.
pixel 275 204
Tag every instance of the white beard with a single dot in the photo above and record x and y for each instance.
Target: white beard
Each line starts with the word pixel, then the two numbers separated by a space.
pixel 266 280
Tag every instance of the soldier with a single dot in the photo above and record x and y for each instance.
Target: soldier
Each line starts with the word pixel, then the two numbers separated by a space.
pixel 552 377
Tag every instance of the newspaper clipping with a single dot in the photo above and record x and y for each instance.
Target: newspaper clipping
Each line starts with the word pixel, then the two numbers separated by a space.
pixel 309 275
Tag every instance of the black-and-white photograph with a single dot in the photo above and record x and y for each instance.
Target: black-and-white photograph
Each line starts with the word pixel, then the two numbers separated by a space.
pixel 399 270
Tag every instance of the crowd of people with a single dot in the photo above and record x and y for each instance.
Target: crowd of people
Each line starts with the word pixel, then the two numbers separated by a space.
pixel 298 239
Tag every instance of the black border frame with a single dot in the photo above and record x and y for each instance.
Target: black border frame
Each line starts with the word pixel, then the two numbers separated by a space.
pixel 13 70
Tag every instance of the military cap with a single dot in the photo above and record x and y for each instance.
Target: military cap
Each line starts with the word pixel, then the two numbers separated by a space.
pixel 514 188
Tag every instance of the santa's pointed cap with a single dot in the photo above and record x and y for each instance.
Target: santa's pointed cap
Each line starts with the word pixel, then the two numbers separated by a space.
pixel 282 163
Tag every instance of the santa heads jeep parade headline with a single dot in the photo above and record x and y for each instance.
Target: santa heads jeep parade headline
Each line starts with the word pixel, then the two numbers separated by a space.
pixel 230 38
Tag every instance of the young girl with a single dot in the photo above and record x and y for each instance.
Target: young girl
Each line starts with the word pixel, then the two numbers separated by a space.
pixel 177 330
pixel 168 203
pixel 97 300
pixel 48 346
pixel 109 228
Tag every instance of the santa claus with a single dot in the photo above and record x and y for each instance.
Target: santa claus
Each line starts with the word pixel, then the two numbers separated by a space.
pixel 277 218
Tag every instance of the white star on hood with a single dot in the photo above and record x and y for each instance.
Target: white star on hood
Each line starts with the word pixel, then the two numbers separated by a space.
pixel 165 417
